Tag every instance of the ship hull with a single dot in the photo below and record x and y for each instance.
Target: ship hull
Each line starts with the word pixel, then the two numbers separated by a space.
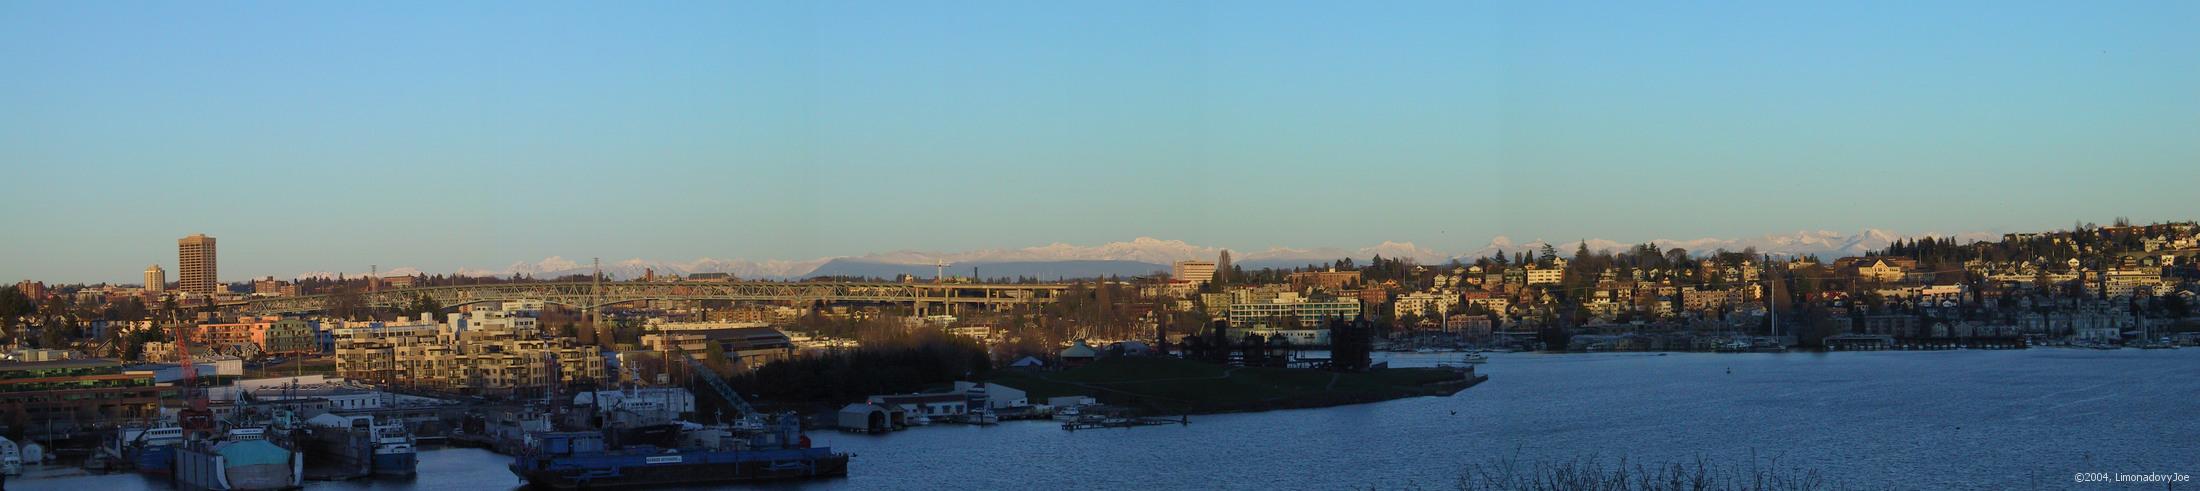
pixel 610 471
pixel 206 468
pixel 155 460
pixel 395 464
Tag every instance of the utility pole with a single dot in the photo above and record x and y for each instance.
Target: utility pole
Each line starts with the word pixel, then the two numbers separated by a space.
pixel 596 312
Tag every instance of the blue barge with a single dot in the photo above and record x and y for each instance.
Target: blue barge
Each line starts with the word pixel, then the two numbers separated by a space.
pixel 581 460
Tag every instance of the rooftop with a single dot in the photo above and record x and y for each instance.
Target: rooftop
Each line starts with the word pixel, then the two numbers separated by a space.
pixel 56 364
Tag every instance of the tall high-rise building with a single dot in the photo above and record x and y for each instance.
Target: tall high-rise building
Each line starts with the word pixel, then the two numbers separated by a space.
pixel 195 269
pixel 156 279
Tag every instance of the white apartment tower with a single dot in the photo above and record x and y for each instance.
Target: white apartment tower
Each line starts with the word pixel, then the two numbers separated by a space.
pixel 156 279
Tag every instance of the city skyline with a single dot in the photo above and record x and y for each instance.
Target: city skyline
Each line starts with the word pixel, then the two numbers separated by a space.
pixel 319 137
pixel 1156 252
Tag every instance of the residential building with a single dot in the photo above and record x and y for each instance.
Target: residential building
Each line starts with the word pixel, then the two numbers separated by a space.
pixel 265 335
pixel 271 287
pixel 1544 276
pixel 1326 280
pixel 484 352
pixel 2122 282
pixel 1880 269
pixel 156 280
pixel 195 265
pixel 1425 304
pixel 1196 272
pixel 1494 304
pixel 1288 313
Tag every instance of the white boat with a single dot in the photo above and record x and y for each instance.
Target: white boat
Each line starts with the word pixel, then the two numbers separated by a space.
pixel 920 420
pixel 1069 413
pixel 1474 359
pixel 982 417
pixel 11 459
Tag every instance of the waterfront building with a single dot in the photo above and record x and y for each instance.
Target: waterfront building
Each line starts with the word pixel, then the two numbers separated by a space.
pixel 748 347
pixel 482 352
pixel 63 395
pixel 195 265
pixel 1284 313
pixel 930 405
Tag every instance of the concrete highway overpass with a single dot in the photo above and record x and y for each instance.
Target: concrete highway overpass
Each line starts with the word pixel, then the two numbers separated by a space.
pixel 585 295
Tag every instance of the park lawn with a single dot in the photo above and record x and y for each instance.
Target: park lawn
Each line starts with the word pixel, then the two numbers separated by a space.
pixel 295 367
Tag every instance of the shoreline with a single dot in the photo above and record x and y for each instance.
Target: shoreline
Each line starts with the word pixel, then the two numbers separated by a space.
pixel 1178 387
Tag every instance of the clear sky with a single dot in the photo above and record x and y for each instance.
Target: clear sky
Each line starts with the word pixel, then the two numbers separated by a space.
pixel 312 136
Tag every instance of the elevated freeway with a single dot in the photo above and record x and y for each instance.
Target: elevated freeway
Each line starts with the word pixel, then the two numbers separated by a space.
pixel 950 297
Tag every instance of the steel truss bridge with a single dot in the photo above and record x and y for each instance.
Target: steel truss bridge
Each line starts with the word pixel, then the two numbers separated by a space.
pixel 587 296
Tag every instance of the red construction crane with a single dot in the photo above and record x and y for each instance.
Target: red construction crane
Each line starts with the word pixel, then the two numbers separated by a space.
pixel 197 421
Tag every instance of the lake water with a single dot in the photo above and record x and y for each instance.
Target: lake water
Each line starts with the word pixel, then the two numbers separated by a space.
pixel 2025 419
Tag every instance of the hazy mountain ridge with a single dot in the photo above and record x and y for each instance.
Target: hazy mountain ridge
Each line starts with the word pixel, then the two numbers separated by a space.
pixel 1147 254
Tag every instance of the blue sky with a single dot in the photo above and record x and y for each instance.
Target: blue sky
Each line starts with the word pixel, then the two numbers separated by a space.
pixel 314 136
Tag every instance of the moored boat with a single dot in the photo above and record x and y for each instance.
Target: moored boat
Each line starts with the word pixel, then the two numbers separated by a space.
pixel 382 447
pixel 241 460
pixel 11 458
pixel 151 450
pixel 576 460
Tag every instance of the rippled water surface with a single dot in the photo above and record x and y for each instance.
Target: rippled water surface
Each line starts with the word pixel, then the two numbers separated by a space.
pixel 1906 420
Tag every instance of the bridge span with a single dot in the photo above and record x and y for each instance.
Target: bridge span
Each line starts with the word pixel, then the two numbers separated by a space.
pixel 587 296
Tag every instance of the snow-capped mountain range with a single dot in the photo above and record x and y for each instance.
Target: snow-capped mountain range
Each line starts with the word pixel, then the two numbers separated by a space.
pixel 1146 254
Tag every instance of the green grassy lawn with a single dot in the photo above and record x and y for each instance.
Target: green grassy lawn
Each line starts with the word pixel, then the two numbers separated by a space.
pixel 295 367
pixel 1168 385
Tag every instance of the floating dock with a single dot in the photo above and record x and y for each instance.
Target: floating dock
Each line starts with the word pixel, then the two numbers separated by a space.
pixel 1097 423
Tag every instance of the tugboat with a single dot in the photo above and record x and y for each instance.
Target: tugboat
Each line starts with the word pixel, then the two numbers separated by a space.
pixel 242 460
pixel 584 459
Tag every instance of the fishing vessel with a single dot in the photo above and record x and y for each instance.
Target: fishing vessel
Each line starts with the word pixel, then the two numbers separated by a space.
pixel 586 459
pixel 241 460
pixel 150 449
